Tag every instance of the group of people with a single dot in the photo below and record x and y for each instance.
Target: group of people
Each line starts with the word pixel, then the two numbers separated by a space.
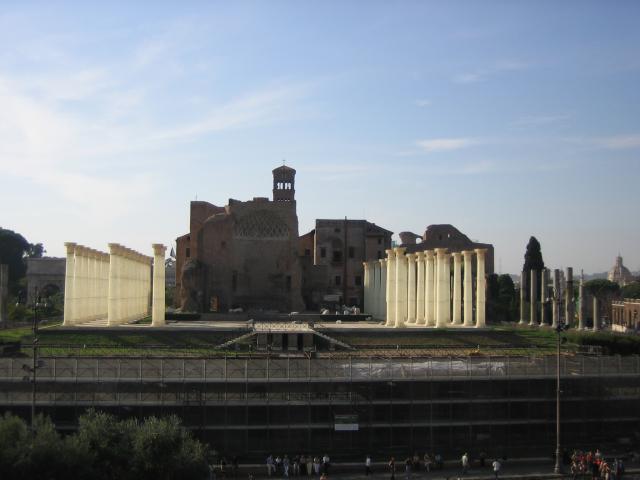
pixel 594 465
pixel 430 462
pixel 415 463
pixel 298 465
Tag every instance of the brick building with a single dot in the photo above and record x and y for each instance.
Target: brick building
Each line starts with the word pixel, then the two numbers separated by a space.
pixel 445 236
pixel 244 254
pixel 249 255
pixel 333 254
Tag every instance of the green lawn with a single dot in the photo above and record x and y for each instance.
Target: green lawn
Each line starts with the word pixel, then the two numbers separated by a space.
pixel 513 340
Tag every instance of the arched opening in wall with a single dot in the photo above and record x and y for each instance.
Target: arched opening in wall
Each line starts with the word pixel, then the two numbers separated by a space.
pixel 49 290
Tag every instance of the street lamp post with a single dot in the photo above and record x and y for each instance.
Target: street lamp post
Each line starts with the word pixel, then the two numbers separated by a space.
pixel 559 329
pixel 34 368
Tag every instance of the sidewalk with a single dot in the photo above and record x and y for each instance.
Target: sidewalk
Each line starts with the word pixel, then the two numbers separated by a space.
pixel 512 469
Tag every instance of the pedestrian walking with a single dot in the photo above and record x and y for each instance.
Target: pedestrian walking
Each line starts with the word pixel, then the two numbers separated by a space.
pixel 428 462
pixel 325 464
pixel 367 466
pixel 407 468
pixel 309 465
pixel 496 467
pixel 270 465
pixel 465 463
pixel 285 466
pixel 392 468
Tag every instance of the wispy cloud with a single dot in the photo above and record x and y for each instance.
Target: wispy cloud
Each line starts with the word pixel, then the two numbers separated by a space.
pixel 534 120
pixel 620 142
pixel 423 103
pixel 482 74
pixel 445 144
pixel 249 110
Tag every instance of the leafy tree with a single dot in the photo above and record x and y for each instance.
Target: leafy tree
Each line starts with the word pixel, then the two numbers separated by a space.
pixel 165 450
pixel 36 250
pixel 110 443
pixel 632 290
pixel 602 288
pixel 13 248
pixel 14 436
pixel 508 296
pixel 102 448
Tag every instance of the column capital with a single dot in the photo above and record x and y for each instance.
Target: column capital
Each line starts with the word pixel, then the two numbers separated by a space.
pixel 399 251
pixel 456 256
pixel 429 254
pixel 81 251
pixel 383 261
pixel 365 265
pixel 467 254
pixel 440 251
pixel 411 256
pixel 158 248
pixel 115 248
pixel 480 251
pixel 420 256
pixel 390 253
pixel 70 246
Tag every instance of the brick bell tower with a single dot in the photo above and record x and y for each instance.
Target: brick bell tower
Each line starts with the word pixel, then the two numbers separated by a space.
pixel 284 184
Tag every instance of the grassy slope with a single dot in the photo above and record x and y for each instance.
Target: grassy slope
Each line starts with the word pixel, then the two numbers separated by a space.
pixel 504 339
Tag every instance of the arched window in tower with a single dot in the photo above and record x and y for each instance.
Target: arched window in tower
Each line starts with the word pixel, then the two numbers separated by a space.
pixel 283 184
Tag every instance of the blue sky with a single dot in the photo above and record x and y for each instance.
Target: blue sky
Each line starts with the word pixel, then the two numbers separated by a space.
pixel 506 119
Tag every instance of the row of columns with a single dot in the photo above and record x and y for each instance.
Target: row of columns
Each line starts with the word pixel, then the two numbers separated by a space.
pixel 129 285
pixel 115 286
pixel 416 288
pixel 539 300
pixel 86 284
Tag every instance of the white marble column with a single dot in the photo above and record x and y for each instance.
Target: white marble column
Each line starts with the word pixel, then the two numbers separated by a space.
pixel 104 300
pixel 468 288
pixel 391 288
pixel 443 290
pixel 411 288
pixel 420 266
pixel 375 286
pixel 366 288
pixel 596 314
pixel 93 283
pixel 555 312
pixel 430 289
pixel 69 278
pixel 582 305
pixel 382 297
pixel 401 287
pixel 82 284
pixel 114 281
pixel 457 288
pixel 544 280
pixel 481 289
pixel 533 304
pixel 157 311
pixel 523 298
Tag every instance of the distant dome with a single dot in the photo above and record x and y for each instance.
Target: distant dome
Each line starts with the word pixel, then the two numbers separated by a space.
pixel 619 273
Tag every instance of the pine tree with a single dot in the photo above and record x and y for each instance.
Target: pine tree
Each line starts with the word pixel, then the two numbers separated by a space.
pixel 532 261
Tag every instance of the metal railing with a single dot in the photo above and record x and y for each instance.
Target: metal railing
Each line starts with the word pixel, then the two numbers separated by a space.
pixel 167 369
